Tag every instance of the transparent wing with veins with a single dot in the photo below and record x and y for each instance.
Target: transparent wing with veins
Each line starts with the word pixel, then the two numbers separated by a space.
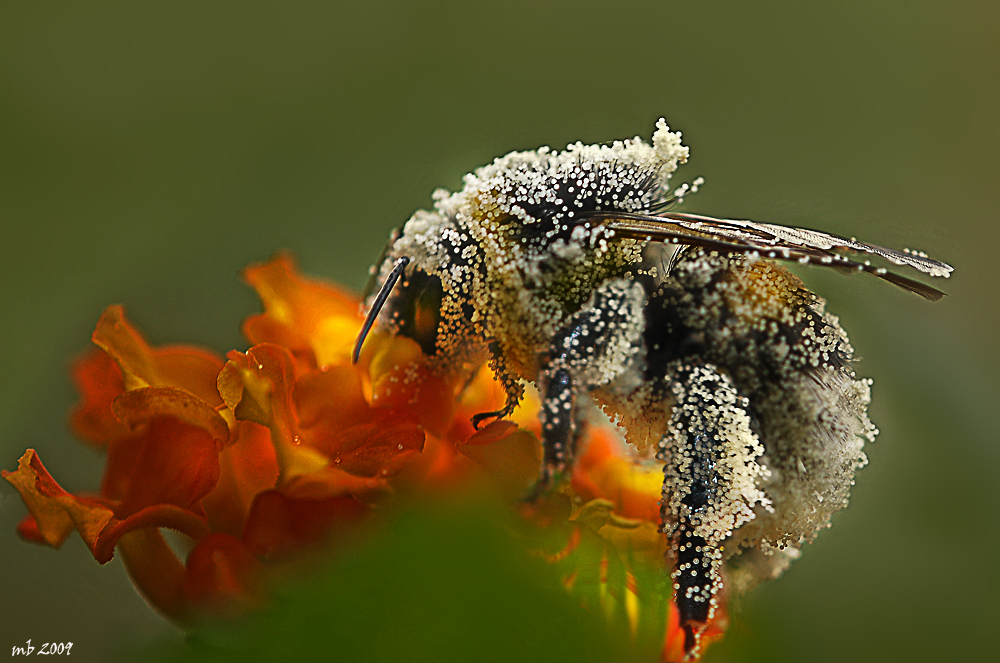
pixel 772 241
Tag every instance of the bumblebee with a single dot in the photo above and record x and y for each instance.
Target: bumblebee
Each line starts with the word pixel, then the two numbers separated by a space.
pixel 572 270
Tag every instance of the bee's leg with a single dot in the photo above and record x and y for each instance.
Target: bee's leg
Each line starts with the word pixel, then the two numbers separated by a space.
pixel 709 489
pixel 557 423
pixel 599 344
pixel 581 426
pixel 512 387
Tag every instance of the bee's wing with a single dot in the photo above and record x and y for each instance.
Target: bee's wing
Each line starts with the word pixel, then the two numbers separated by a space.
pixel 772 241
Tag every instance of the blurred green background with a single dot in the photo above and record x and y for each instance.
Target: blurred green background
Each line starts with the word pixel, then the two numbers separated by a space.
pixel 148 153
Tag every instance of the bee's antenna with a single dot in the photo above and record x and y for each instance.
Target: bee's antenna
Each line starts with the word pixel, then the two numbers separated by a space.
pixel 383 294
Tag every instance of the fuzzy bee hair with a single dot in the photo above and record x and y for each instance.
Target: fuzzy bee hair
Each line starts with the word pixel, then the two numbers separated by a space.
pixel 571 270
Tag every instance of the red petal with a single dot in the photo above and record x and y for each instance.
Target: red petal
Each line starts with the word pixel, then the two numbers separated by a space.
pixel 248 466
pixel 55 513
pixel 172 462
pixel 333 482
pixel 280 525
pixel 374 449
pixel 151 518
pixel 155 571
pixel 99 381
pixel 28 530
pixel 222 576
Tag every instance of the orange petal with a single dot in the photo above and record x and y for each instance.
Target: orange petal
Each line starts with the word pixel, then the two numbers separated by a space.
pixel 247 466
pixel 190 368
pixel 245 390
pixel 184 367
pixel 482 394
pixel 332 397
pixel 55 512
pixel 492 433
pixel 137 407
pixel 673 642
pixel 335 418
pixel 302 313
pixel 280 525
pixel 391 353
pixel 430 398
pixel 510 457
pixel 257 386
pixel 605 471
pixel 262 328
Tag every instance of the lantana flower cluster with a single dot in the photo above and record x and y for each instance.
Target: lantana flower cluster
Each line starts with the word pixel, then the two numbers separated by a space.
pixel 280 453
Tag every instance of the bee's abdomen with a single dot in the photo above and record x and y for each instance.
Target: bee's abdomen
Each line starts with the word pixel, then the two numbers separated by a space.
pixel 753 319
pixel 757 324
